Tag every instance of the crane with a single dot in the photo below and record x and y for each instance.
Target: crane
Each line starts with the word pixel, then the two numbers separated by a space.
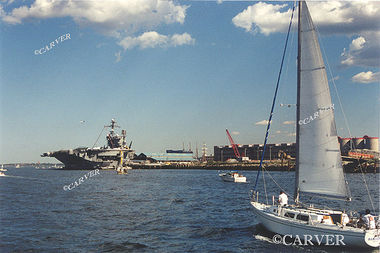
pixel 234 146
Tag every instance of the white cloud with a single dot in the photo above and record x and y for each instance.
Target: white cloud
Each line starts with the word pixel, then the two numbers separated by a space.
pixel 118 56
pixel 235 133
pixel 263 122
pixel 263 17
pixel 288 122
pixel 344 17
pixel 292 134
pixel 182 39
pixel 278 132
pixel 153 39
pixel 367 77
pixel 109 17
pixel 351 18
pixel 363 51
pixel 357 44
pixel 116 18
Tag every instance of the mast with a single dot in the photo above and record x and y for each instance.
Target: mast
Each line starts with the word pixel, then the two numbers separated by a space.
pixel 296 190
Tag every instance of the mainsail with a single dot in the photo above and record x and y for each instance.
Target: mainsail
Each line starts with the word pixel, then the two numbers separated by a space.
pixel 319 164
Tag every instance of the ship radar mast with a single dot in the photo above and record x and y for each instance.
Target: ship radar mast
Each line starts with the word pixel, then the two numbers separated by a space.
pixel 114 140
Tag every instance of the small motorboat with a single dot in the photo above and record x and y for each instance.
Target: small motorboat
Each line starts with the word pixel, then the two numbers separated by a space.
pixel 233 176
pixel 2 174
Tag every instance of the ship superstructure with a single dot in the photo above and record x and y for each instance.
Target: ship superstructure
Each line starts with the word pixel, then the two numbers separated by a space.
pixel 115 155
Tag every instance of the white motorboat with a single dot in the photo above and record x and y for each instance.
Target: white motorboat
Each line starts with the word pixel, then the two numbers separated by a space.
pixel 319 170
pixel 2 174
pixel 233 176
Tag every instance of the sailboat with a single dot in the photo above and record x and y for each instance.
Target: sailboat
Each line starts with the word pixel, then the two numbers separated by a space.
pixel 320 174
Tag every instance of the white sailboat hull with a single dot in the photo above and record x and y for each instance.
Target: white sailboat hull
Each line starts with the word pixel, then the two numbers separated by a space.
pixel 320 234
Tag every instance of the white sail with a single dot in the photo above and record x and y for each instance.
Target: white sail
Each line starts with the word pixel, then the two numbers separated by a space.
pixel 319 160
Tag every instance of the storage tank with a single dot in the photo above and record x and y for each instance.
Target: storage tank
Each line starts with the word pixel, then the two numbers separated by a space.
pixel 358 143
pixel 371 143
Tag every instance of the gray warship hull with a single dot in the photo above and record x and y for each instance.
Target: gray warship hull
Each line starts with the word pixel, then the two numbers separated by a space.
pixel 113 156
pixel 88 159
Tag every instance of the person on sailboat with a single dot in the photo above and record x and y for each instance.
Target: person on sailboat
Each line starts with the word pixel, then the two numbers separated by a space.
pixel 345 219
pixel 369 220
pixel 360 222
pixel 283 199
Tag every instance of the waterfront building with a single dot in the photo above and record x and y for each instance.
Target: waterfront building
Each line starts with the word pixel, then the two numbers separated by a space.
pixel 255 151
pixel 348 146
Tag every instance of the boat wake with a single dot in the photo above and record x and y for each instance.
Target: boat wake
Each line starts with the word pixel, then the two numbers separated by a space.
pixel 31 178
pixel 263 238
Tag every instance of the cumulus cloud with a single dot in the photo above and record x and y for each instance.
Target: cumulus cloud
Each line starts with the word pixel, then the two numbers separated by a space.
pixel 355 19
pixel 235 133
pixel 153 39
pixel 357 44
pixel 260 123
pixel 367 77
pixel 110 17
pixel 263 17
pixel 344 17
pixel 117 18
pixel 182 39
pixel 288 122
pixel 363 51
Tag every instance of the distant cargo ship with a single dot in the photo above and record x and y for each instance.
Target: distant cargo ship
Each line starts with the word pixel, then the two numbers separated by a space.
pixel 115 155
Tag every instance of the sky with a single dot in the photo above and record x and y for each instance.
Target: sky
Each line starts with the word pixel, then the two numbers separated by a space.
pixel 173 72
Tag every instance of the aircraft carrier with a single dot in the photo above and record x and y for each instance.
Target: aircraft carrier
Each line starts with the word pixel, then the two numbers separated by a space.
pixel 115 155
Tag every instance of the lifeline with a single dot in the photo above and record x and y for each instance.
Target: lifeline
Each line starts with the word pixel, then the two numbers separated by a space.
pixel 58 40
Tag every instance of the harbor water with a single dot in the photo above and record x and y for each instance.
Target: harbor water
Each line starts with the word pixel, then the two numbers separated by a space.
pixel 145 211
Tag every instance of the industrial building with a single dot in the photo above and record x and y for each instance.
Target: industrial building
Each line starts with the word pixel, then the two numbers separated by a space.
pixel 348 146
pixel 362 143
pixel 255 151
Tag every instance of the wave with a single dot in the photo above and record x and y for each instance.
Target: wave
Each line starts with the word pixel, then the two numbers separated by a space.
pixel 122 247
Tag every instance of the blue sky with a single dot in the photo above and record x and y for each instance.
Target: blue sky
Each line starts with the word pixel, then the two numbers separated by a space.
pixel 171 72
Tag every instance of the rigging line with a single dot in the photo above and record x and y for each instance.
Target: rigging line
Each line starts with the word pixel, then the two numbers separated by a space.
pixel 265 189
pixel 274 99
pixel 98 137
pixel 292 197
pixel 366 186
pixel 277 183
pixel 286 77
pixel 345 121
